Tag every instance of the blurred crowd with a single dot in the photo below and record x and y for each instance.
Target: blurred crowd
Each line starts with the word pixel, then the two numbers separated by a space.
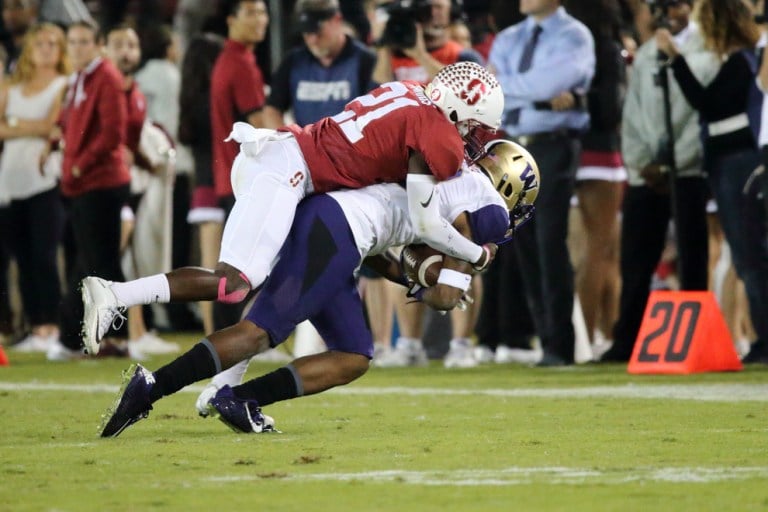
pixel 643 116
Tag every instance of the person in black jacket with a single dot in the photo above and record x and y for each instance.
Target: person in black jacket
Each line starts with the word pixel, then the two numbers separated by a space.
pixel 729 111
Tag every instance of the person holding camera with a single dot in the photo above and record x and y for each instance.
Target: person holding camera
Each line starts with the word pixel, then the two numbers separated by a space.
pixel 647 207
pixel 729 112
pixel 416 44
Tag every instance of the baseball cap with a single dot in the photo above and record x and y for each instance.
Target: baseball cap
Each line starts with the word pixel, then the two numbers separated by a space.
pixel 311 13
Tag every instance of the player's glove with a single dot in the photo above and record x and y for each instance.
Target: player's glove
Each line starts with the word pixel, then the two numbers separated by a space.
pixel 416 292
pixel 465 301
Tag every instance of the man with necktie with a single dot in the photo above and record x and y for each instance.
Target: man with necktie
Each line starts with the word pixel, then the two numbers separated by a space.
pixel 545 64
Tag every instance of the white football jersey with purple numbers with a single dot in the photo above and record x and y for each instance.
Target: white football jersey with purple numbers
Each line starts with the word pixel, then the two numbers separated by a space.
pixel 378 214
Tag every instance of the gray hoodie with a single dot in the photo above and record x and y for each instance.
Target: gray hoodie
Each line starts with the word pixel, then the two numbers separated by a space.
pixel 643 130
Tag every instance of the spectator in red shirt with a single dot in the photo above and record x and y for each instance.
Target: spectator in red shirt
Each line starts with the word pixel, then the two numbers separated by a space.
pixel 237 87
pixel 237 94
pixel 95 177
pixel 93 120
pixel 123 49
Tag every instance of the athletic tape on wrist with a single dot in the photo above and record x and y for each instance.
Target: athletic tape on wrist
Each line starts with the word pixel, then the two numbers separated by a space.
pixel 455 279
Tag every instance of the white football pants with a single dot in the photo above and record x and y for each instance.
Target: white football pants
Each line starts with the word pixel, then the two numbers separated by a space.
pixel 268 185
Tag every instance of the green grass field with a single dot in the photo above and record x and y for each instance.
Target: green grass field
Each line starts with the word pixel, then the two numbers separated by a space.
pixel 492 438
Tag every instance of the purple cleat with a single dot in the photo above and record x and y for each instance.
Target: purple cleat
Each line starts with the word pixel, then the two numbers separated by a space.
pixel 242 416
pixel 132 403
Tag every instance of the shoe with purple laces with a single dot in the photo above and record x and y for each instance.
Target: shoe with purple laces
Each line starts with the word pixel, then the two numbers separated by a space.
pixel 242 416
pixel 132 403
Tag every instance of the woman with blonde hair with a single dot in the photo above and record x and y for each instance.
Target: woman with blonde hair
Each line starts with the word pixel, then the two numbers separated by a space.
pixel 30 103
pixel 729 112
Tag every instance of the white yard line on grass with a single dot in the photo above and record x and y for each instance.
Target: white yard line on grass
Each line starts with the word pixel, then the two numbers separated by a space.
pixel 523 476
pixel 703 392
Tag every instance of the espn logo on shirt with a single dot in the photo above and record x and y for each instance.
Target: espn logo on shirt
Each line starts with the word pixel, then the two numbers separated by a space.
pixel 323 91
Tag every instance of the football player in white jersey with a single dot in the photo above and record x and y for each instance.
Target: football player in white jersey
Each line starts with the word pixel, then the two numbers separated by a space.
pixel 399 132
pixel 313 279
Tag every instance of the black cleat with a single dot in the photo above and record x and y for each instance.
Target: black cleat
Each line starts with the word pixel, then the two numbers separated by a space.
pixel 132 403
pixel 242 416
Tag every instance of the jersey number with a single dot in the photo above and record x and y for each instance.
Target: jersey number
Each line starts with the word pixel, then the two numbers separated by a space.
pixel 353 124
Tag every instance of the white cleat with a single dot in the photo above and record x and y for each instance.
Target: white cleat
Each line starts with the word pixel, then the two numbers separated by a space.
pixel 102 311
pixel 205 396
pixel 58 352
pixel 505 355
pixel 32 343
pixel 483 354
pixel 460 355
pixel 406 353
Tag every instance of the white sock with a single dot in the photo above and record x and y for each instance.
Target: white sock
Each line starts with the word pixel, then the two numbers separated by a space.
pixel 231 376
pixel 146 290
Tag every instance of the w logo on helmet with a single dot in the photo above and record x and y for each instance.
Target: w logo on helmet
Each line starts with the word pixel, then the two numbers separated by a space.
pixel 473 91
pixel 528 178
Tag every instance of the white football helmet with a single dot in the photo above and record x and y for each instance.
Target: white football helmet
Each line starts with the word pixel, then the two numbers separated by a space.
pixel 471 98
pixel 514 175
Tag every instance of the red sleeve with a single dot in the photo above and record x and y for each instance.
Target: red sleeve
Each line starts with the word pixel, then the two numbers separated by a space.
pixel 248 90
pixel 443 148
pixel 111 113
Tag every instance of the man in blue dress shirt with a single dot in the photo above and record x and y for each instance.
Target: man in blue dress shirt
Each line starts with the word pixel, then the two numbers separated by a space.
pixel 545 64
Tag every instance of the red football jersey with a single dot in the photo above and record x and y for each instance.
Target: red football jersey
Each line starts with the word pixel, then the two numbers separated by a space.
pixel 368 142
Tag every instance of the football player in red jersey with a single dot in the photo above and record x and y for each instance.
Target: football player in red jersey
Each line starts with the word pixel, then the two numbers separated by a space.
pixel 314 279
pixel 399 132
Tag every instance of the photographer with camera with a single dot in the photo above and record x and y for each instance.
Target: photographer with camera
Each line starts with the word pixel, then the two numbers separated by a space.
pixel 415 43
pixel 647 207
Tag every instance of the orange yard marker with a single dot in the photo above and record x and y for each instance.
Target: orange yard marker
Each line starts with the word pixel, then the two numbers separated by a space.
pixel 683 332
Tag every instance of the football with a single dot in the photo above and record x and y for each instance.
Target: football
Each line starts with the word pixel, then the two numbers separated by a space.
pixel 422 263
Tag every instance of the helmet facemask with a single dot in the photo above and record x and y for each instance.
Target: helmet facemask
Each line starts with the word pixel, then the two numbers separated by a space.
pixel 515 176
pixel 475 135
